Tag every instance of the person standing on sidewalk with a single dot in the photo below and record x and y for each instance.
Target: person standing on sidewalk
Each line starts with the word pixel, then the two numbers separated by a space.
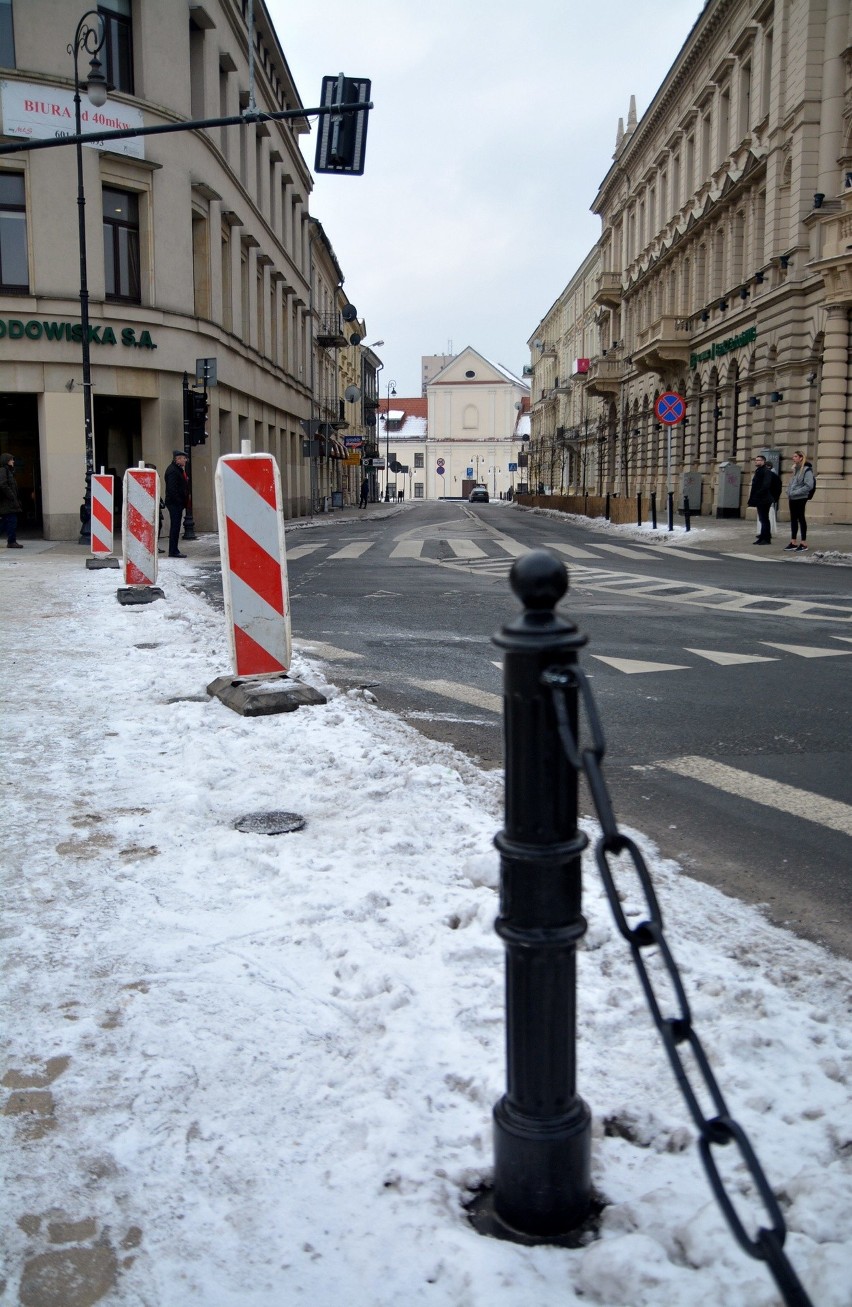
pixel 365 493
pixel 177 497
pixel 10 504
pixel 799 491
pixel 765 491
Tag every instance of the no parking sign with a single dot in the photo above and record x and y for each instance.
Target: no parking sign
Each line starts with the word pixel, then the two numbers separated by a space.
pixel 670 407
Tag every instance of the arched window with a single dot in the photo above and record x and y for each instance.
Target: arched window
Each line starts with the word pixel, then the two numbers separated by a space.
pixel 470 417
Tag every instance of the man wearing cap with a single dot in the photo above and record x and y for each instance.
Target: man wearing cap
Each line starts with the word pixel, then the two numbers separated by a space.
pixel 177 495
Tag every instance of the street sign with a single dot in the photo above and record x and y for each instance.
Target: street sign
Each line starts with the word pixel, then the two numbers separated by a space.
pixel 513 467
pixel 470 471
pixel 205 373
pixel 670 408
pixel 441 471
pixel 373 462
pixel 353 442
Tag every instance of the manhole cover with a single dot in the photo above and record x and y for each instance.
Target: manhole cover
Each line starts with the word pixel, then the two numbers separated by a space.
pixel 269 823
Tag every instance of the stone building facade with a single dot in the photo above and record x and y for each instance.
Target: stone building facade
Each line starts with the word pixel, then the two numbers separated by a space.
pixel 199 245
pixel 724 266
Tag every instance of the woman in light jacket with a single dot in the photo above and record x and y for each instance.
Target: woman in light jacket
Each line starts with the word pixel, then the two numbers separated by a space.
pixel 798 492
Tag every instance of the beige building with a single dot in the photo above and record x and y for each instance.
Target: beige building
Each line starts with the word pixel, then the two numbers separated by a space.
pixel 199 245
pixel 724 265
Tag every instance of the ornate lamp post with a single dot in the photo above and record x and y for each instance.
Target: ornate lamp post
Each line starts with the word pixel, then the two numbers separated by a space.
pixel 90 39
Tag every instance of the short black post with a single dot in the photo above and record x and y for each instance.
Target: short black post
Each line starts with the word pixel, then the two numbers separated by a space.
pixel 639 508
pixel 654 509
pixel 686 512
pixel 606 508
pixel 542 1129
pixel 671 510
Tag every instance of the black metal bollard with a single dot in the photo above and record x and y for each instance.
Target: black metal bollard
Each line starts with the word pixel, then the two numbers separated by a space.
pixel 639 509
pixel 686 512
pixel 542 1129
pixel 654 509
pixel 671 510
pixel 606 506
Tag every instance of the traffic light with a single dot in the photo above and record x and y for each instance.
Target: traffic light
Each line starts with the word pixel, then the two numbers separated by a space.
pixel 197 417
pixel 342 138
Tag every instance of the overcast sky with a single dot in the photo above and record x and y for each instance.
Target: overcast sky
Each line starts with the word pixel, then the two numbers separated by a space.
pixel 494 124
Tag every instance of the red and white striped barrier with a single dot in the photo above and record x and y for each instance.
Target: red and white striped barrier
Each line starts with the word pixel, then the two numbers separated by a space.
pixel 254 563
pixel 140 520
pixel 102 514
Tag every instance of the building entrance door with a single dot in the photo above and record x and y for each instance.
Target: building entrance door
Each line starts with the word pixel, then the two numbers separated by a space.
pixel 19 436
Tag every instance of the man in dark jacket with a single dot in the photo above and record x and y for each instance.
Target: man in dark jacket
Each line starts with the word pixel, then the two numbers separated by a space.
pixel 10 504
pixel 765 491
pixel 177 497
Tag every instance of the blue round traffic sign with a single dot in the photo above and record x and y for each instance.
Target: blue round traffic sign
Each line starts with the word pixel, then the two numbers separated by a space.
pixel 670 407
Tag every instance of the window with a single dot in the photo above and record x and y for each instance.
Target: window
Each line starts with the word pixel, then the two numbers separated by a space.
pixel 7 35
pixel 14 275
pixel 418 460
pixel 418 490
pixel 118 44
pixel 121 245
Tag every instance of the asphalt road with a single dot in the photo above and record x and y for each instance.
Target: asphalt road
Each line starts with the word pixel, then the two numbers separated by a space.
pixel 722 682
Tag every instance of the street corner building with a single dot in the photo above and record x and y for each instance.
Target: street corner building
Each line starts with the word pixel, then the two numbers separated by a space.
pixel 723 273
pixel 199 245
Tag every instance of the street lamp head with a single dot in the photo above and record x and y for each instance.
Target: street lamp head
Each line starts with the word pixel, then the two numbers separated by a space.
pixel 375 344
pixel 96 87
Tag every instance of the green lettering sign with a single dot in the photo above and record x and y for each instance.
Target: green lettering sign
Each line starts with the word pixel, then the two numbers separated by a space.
pixel 15 329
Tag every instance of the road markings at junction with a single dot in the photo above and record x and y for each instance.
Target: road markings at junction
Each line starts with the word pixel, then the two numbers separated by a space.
pixel 771 794
pixel 408 549
pixel 731 659
pixel 808 651
pixel 328 651
pixel 572 551
pixel 632 666
pixel 759 558
pixel 462 693
pixel 354 550
pixel 466 549
pixel 302 551
pixel 625 552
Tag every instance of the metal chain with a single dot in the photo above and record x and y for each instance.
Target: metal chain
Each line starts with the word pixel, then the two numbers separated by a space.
pixel 676 1031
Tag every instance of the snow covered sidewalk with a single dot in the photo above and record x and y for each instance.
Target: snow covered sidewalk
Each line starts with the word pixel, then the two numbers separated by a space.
pixel 243 1071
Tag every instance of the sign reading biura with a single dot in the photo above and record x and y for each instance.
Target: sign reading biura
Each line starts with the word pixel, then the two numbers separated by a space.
pixel 35 329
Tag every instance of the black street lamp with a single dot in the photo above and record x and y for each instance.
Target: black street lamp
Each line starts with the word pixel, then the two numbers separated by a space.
pixel 391 391
pixel 90 39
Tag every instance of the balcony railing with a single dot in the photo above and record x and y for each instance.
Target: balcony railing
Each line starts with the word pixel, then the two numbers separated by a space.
pixel 665 341
pixel 330 330
pixel 605 375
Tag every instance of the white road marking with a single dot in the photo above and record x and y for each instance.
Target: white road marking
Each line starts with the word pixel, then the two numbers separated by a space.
pixel 408 549
pixel 763 557
pixel 572 551
pixel 757 789
pixel 321 650
pixel 512 547
pixel 355 550
pixel 625 552
pixel 463 693
pixel 808 651
pixel 731 659
pixel 632 666
pixel 301 551
pixel 466 549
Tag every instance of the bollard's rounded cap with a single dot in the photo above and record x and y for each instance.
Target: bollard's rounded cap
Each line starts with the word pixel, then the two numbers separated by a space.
pixel 539 580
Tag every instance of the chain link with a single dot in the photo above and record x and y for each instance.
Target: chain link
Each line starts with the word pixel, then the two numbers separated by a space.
pixel 676 1030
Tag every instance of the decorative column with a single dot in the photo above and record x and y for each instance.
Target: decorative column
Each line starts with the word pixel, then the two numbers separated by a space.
pixel 833 396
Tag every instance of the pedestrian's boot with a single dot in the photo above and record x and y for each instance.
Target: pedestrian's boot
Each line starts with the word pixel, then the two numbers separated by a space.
pixel 13 544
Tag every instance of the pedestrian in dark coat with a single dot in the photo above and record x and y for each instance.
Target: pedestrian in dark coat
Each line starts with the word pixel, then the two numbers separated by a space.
pixel 177 498
pixel 765 491
pixel 10 504
pixel 365 493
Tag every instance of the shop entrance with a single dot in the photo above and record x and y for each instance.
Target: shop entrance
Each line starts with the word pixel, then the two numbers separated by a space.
pixel 118 439
pixel 19 436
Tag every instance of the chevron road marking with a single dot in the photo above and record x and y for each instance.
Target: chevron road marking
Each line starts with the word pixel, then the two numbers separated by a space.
pixel 463 693
pixel 466 549
pixel 807 650
pixel 632 666
pixel 731 659
pixel 354 550
pixel 757 789
pixel 302 551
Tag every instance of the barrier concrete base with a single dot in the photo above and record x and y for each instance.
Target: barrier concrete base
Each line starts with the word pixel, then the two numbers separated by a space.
pixel 261 696
pixel 95 564
pixel 139 594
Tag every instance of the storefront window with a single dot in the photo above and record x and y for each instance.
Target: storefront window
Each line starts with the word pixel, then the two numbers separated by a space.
pixel 118 44
pixel 14 274
pixel 121 245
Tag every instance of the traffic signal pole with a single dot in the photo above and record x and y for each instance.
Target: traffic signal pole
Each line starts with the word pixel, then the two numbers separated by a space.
pixel 188 519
